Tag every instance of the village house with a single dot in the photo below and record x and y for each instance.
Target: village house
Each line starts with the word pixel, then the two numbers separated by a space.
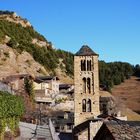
pixel 46 88
pixel 63 121
pixel 65 92
pixel 15 82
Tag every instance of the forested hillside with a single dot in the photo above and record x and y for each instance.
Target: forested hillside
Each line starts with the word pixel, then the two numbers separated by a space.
pixel 114 73
pixel 27 39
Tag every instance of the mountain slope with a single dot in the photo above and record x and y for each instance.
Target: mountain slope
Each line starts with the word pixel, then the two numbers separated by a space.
pixel 12 62
pixel 31 52
pixel 128 93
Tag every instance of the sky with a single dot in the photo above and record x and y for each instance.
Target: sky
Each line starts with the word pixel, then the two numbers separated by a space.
pixel 111 28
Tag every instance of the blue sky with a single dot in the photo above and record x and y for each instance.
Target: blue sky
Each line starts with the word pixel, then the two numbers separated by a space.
pixel 110 27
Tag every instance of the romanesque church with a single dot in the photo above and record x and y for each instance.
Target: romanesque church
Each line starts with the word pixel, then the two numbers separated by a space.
pixel 86 85
pixel 86 95
pixel 89 124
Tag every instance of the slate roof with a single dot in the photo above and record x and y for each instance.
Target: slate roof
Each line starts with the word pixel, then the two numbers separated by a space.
pixel 44 79
pixel 85 51
pixel 15 77
pixel 119 130
pixel 64 86
pixel 47 77
pixel 125 130
pixel 30 131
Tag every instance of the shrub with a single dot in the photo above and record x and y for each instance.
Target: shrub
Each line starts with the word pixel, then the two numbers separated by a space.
pixel 11 109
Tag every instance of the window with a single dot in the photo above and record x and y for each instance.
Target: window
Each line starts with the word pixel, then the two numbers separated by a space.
pixel 88 65
pixel 88 105
pixel 93 82
pixel 66 115
pixel 84 105
pixel 84 85
pixel 69 127
pixel 42 85
pixel 88 85
pixel 83 65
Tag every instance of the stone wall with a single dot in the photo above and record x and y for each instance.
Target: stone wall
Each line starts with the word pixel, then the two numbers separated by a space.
pixel 94 128
pixel 83 135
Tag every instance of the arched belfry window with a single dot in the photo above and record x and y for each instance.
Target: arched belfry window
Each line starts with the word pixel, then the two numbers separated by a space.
pixel 84 105
pixel 88 65
pixel 88 105
pixel 83 65
pixel 88 85
pixel 84 84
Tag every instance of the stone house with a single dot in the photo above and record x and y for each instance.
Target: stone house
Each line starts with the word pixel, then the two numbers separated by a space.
pixel 46 88
pixel 66 91
pixel 63 121
pixel 16 82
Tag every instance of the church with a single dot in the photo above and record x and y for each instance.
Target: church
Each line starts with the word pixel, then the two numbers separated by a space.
pixel 86 82
pixel 89 124
pixel 86 94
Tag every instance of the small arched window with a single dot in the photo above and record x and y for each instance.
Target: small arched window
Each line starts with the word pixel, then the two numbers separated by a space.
pixel 88 65
pixel 88 85
pixel 84 105
pixel 88 105
pixel 84 85
pixel 83 65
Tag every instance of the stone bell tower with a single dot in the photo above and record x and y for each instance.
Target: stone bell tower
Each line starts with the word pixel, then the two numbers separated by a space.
pixel 86 80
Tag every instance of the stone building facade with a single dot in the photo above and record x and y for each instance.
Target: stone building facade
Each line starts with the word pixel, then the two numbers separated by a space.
pixel 86 80
pixel 46 88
